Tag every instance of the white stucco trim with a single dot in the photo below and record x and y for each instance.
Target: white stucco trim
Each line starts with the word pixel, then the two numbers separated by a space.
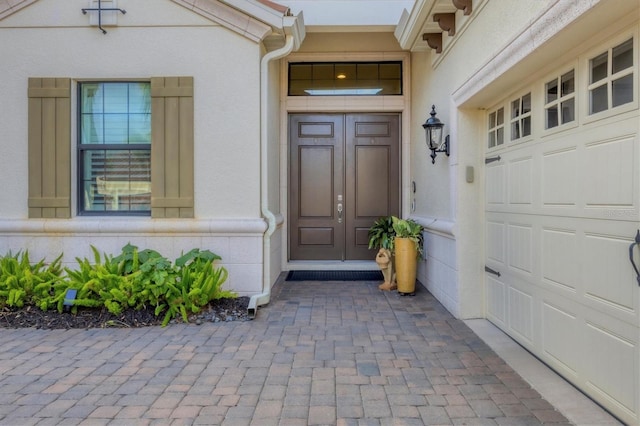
pixel 9 7
pixel 557 16
pixel 135 225
pixel 230 18
pixel 436 225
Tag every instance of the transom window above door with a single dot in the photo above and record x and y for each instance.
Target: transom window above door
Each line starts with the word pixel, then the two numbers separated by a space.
pixel 345 78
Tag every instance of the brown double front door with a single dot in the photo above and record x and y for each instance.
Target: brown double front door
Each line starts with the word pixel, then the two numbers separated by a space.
pixel 344 174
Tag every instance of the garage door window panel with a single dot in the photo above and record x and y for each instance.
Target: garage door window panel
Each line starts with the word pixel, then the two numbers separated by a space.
pixel 611 78
pixel 560 105
pixel 496 128
pixel 521 117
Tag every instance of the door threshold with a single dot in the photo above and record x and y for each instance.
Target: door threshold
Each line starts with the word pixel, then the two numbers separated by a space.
pixel 331 265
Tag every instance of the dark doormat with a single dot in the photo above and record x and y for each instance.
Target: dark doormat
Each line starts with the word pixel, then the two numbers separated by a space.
pixel 334 276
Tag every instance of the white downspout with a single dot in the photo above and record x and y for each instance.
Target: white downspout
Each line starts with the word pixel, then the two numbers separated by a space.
pixel 264 297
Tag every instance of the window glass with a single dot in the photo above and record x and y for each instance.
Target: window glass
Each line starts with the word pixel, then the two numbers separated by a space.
pixel 622 56
pixel 568 109
pixel 598 68
pixel 526 103
pixel 622 90
pixel 114 152
pixel 552 91
pixel 345 78
pixel 598 99
pixel 567 82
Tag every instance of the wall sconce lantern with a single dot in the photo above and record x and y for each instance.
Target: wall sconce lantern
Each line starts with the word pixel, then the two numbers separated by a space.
pixel 433 129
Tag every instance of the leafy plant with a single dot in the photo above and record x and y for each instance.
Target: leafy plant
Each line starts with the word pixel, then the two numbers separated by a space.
pixel 133 279
pixel 23 283
pixel 409 228
pixel 198 282
pixel 381 233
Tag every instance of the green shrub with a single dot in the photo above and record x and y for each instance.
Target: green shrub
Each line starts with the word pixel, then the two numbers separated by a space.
pixel 133 279
pixel 23 283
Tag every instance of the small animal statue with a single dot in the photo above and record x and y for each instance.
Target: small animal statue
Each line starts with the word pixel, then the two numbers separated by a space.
pixel 383 259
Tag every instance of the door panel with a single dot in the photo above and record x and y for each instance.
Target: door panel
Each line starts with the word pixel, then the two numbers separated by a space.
pixel 348 162
pixel 315 183
pixel 372 179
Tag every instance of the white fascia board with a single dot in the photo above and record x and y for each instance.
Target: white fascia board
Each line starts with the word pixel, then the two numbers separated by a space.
pixel 259 11
pixel 294 26
pixel 410 26
pixel 230 17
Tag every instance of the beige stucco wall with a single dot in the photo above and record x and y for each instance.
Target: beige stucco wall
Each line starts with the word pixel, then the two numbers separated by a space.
pixel 226 92
pixel 50 38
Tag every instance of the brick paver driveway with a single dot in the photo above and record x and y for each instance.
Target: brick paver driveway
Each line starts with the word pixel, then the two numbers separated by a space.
pixel 321 353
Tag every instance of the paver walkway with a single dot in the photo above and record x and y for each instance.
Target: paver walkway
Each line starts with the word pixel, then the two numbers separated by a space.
pixel 321 353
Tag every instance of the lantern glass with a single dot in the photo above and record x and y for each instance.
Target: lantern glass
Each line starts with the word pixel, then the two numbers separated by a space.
pixel 434 137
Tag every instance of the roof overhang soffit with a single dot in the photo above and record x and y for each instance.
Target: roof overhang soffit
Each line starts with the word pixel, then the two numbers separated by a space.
pixel 254 19
pixel 429 19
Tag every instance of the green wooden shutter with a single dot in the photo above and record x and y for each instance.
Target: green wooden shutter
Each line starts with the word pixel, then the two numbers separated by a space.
pixel 172 147
pixel 49 147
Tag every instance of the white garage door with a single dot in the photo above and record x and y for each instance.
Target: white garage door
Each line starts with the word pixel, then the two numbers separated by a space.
pixel 561 214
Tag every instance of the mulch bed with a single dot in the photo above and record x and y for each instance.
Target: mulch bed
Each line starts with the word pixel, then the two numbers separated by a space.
pixel 222 310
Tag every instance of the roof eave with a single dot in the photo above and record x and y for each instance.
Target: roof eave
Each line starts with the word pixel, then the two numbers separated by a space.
pixel 409 28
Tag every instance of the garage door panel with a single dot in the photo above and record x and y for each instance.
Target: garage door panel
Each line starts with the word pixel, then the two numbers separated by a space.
pixel 559 182
pixel 607 275
pixel 520 247
pixel 495 245
pixel 611 173
pixel 559 320
pixel 495 184
pixel 520 181
pixel 520 309
pixel 611 364
pixel 496 303
pixel 559 268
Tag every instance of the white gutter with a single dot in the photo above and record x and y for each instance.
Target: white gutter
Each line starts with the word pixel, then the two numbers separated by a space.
pixel 264 297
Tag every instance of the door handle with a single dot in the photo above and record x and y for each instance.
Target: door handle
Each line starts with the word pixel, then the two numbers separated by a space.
pixel 633 263
pixel 339 212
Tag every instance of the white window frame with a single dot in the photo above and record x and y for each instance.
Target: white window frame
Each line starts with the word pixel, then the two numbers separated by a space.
pixel 585 64
pixel 557 75
pixel 521 117
pixel 496 128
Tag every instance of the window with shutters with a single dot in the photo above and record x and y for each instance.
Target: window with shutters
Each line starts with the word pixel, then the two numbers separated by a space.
pixel 134 148
pixel 114 149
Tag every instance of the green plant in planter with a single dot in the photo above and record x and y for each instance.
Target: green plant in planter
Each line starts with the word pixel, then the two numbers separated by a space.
pixel 381 234
pixel 409 228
